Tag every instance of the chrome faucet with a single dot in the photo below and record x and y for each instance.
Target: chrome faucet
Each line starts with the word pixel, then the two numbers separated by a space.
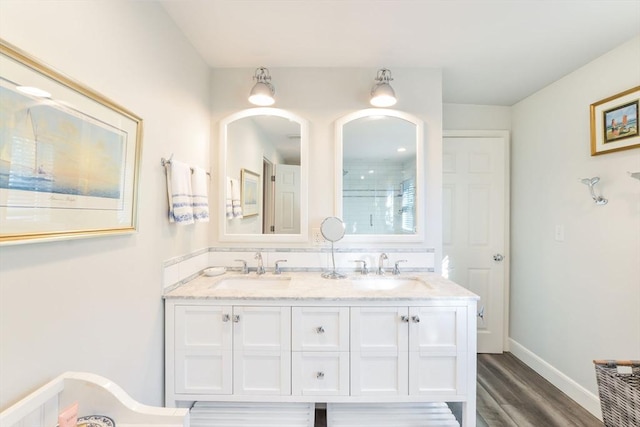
pixel 383 256
pixel 244 270
pixel 260 267
pixel 364 270
pixel 396 269
pixel 277 269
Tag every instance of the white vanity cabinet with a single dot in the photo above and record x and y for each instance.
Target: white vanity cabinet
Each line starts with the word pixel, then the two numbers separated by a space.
pixel 222 350
pixel 400 351
pixel 305 339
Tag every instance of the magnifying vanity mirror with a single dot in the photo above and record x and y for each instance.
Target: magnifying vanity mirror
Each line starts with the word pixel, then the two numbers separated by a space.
pixel 379 182
pixel 332 229
pixel 263 170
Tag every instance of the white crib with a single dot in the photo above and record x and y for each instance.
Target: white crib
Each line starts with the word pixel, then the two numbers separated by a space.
pixel 96 395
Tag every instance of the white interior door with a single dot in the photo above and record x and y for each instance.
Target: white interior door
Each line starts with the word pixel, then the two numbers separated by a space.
pixel 475 226
pixel 287 199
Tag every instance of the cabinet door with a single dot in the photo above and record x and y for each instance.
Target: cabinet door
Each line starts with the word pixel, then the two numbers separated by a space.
pixel 320 329
pixel 437 357
pixel 262 350
pixel 379 351
pixel 262 328
pixel 202 350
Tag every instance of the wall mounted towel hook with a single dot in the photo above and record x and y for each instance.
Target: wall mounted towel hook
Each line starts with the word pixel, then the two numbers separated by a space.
pixel 591 182
pixel 635 175
pixel 166 162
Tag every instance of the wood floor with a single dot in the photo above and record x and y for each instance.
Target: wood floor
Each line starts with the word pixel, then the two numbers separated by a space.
pixel 512 394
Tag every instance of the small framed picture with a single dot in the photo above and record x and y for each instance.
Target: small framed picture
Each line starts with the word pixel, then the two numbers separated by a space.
pixel 614 123
pixel 250 190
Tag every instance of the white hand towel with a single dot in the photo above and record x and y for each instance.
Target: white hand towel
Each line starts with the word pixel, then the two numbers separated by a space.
pixel 200 195
pixel 179 192
pixel 228 200
pixel 235 198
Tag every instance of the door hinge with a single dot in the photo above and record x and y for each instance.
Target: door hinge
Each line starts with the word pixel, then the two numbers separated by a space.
pixel 273 178
pixel 272 228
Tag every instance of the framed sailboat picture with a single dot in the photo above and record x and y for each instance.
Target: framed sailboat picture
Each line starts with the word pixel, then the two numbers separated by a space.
pixel 68 156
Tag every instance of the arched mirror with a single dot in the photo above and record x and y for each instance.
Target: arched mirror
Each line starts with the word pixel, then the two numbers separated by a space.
pixel 263 176
pixel 379 168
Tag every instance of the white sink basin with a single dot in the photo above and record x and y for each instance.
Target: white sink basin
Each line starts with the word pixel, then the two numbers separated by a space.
pixel 254 282
pixel 387 283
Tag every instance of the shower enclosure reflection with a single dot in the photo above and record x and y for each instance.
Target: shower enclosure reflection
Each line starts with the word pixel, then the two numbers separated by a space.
pixel 379 170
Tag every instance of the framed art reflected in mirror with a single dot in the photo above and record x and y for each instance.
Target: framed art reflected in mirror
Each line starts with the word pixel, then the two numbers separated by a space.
pixel 250 192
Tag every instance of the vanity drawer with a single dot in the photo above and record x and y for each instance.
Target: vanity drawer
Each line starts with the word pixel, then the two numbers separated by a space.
pixel 320 373
pixel 320 328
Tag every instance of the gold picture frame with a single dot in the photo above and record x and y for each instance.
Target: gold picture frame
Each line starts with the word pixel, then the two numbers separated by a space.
pixel 250 192
pixel 614 123
pixel 69 157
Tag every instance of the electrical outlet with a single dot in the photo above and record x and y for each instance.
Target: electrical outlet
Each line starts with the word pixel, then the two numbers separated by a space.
pixel 318 240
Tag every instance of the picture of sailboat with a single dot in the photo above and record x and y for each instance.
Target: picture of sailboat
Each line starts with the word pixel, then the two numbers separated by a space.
pixel 47 147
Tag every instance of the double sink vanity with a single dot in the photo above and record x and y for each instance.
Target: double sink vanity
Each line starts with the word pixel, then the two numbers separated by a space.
pixel 329 338
pixel 298 337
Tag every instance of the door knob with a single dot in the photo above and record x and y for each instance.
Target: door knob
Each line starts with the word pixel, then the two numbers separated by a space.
pixel 320 330
pixel 498 257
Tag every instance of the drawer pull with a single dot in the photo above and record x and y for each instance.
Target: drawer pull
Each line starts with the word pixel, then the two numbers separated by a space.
pixel 416 319
pixel 236 318
pixel 226 317
pixel 404 319
pixel 320 330
pixel 320 375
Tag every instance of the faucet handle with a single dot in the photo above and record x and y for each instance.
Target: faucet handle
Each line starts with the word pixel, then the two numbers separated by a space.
pixel 277 270
pixel 245 270
pixel 396 269
pixel 364 270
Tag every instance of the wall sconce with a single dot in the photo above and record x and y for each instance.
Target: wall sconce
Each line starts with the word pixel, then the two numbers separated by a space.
pixel 382 94
pixel 591 182
pixel 263 91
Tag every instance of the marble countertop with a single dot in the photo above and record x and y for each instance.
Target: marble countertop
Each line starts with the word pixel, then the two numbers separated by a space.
pixel 312 286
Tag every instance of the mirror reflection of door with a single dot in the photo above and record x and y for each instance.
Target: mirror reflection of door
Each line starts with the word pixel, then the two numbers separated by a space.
pixel 269 145
pixel 379 176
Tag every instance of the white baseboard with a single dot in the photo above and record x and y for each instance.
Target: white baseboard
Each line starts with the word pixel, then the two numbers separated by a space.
pixel 581 395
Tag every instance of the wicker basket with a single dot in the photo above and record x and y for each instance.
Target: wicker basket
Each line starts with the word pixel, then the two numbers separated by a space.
pixel 619 392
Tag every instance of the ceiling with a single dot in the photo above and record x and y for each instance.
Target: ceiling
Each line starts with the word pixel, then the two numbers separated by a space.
pixel 492 52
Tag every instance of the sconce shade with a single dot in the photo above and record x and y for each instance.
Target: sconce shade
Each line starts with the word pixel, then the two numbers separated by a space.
pixel 382 94
pixel 262 92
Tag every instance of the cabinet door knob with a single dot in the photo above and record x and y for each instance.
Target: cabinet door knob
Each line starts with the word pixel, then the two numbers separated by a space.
pixel 236 318
pixel 226 317
pixel 416 319
pixel 404 319
pixel 320 330
pixel 320 375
